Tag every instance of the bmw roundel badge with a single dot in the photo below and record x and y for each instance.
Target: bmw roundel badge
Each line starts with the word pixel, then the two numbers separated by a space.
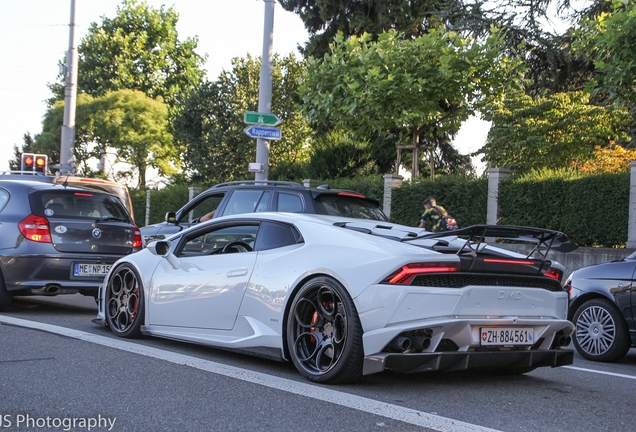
pixel 97 233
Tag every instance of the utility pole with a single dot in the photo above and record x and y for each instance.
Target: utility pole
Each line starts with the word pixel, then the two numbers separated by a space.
pixel 67 158
pixel 265 87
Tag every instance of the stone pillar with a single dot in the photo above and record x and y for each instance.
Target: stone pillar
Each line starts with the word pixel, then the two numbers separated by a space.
pixel 631 227
pixel 495 176
pixel 390 181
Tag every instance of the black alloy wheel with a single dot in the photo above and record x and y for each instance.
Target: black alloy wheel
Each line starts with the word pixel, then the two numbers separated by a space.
pixel 125 302
pixel 324 334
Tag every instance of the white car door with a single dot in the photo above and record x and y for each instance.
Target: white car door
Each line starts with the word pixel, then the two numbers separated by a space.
pixel 206 290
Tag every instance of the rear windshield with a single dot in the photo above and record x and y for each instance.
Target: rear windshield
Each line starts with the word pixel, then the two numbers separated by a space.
pixel 78 204
pixel 348 206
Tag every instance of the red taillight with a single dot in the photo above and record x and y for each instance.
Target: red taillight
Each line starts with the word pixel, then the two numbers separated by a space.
pixel 407 273
pixel 137 242
pixel 83 194
pixel 554 273
pixel 351 194
pixel 35 228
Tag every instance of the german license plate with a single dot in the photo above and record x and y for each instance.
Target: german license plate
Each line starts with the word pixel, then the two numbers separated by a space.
pixel 507 336
pixel 83 269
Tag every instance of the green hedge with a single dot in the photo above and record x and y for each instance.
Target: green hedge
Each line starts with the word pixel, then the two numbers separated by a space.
pixel 463 197
pixel 592 210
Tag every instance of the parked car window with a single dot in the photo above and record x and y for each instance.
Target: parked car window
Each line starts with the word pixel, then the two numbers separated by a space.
pixel 263 203
pixel 288 202
pixel 73 204
pixel 205 206
pixel 343 205
pixel 4 198
pixel 243 201
pixel 275 235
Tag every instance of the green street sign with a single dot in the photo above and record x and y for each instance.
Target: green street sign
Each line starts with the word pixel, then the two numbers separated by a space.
pixel 261 119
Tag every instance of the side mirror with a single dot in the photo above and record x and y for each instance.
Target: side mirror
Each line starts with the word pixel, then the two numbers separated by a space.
pixel 159 247
pixel 171 217
pixel 162 248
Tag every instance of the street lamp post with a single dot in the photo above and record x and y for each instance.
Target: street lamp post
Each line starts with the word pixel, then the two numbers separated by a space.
pixel 67 159
pixel 265 87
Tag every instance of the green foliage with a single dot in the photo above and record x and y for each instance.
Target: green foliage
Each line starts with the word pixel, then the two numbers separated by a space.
pixel 465 198
pixel 407 90
pixel 49 140
pixel 608 41
pixel 139 49
pixel 170 198
pixel 210 127
pixel 552 132
pixel 136 126
pixel 337 154
pixel 592 210
pixel 324 19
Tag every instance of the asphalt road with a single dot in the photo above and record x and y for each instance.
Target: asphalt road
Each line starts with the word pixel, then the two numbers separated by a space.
pixel 59 371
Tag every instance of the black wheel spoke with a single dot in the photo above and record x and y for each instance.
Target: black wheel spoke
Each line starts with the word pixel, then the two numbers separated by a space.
pixel 123 302
pixel 320 329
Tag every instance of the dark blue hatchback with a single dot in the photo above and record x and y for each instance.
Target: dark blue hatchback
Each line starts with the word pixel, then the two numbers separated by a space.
pixel 56 239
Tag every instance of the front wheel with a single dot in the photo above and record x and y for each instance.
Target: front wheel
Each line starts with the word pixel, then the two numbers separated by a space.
pixel 324 334
pixel 600 331
pixel 125 302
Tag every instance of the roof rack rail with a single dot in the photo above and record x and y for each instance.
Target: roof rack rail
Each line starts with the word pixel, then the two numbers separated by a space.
pixel 261 182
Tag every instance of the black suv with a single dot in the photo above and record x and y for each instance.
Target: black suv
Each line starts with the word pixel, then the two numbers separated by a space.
pixel 57 239
pixel 259 196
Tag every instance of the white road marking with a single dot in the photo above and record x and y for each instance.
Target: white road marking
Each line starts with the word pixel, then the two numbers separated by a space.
pixel 395 412
pixel 601 372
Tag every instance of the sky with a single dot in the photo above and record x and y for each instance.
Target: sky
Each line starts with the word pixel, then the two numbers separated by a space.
pixel 34 36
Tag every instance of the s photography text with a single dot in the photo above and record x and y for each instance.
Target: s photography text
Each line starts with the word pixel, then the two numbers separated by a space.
pixel 60 423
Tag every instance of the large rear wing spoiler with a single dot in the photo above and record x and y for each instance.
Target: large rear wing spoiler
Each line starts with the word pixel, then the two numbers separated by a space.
pixel 545 240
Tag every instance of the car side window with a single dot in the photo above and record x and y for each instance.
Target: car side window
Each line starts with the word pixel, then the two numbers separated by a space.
pixel 207 206
pixel 273 235
pixel 214 241
pixel 243 201
pixel 4 198
pixel 289 202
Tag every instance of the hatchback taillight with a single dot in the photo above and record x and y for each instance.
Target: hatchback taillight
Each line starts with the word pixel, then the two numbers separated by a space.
pixel 35 228
pixel 137 242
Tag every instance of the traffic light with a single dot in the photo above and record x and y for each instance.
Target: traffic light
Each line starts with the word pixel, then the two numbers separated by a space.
pixel 28 162
pixel 34 163
pixel 40 163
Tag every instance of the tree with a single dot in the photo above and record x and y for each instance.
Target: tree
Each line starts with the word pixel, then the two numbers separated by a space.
pixel 325 19
pixel 608 41
pixel 136 126
pixel 139 49
pixel 48 141
pixel 414 91
pixel 15 164
pixel 552 132
pixel 210 128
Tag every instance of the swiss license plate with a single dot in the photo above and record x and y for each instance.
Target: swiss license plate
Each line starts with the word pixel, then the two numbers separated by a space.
pixel 507 336
pixel 84 269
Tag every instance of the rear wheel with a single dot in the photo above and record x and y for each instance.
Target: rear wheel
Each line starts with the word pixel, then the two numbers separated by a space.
pixel 324 334
pixel 125 302
pixel 5 296
pixel 600 331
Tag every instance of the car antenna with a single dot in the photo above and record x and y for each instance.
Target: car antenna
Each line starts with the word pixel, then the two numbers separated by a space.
pixel 65 182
